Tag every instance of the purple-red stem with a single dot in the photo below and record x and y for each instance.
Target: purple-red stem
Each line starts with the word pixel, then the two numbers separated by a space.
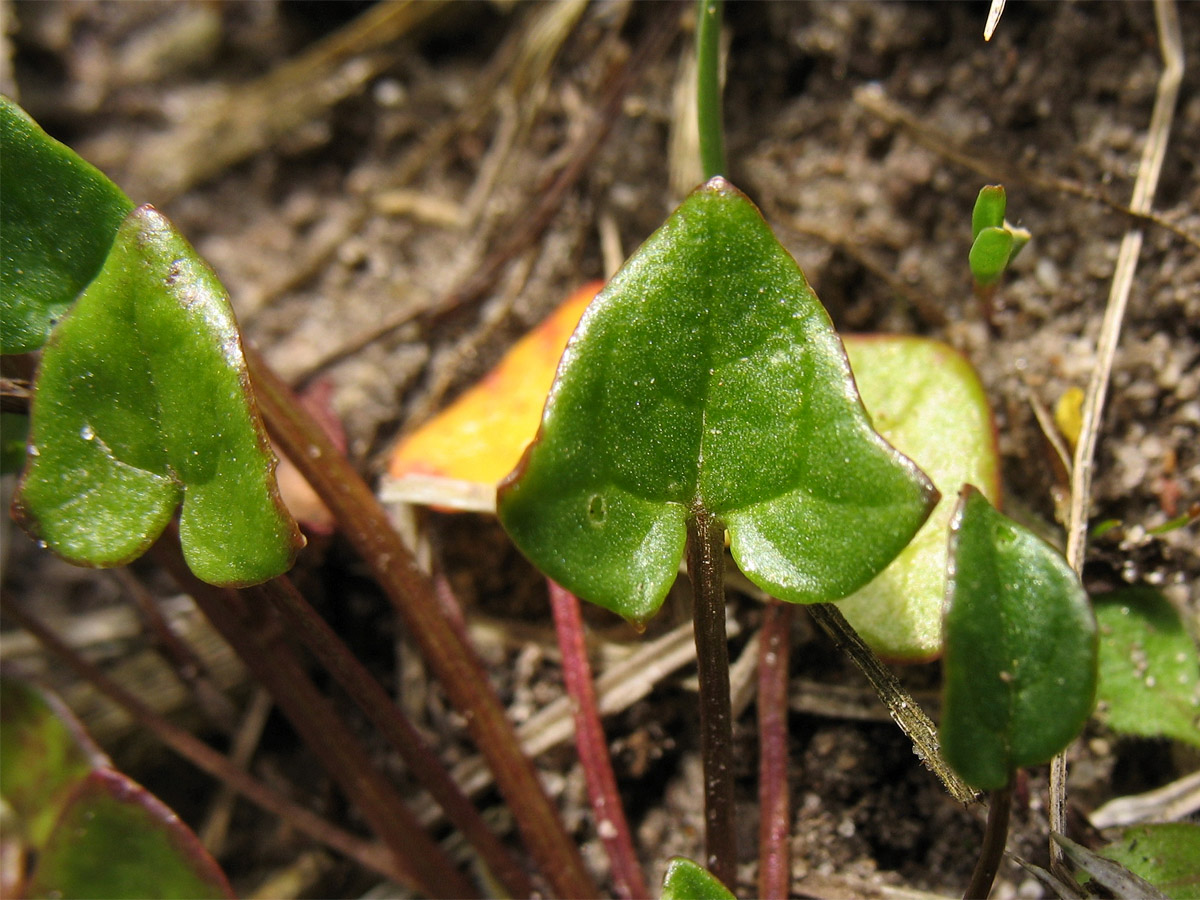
pixel 453 660
pixel 374 701
pixel 256 633
pixel 592 747
pixel 706 568
pixel 373 856
pixel 774 830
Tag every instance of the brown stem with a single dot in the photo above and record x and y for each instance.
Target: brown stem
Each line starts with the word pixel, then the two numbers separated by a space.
pixel 453 661
pixel 372 856
pixel 374 701
pixel 706 563
pixel 257 637
pixel 995 836
pixel 774 830
pixel 593 748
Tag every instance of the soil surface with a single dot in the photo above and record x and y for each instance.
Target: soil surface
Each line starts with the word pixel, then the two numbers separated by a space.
pixel 390 208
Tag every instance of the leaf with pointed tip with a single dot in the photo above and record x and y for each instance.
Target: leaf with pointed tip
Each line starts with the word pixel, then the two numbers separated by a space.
pixel 58 215
pixel 142 402
pixel 46 755
pixel 686 880
pixel 927 402
pixel 1149 668
pixel 1020 663
pixel 707 374
pixel 115 839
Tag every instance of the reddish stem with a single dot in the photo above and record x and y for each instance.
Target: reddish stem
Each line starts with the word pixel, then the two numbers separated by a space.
pixel 373 856
pixel 257 637
pixel 453 660
pixel 593 748
pixel 373 700
pixel 774 830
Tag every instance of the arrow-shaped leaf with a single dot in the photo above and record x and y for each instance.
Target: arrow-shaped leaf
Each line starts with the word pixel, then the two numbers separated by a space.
pixel 1020 660
pixel 143 402
pixel 708 375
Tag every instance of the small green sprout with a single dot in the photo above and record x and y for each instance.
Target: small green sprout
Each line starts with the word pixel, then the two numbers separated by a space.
pixel 996 243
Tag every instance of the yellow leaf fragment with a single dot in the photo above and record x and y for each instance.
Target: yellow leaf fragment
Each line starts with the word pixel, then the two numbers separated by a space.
pixel 480 437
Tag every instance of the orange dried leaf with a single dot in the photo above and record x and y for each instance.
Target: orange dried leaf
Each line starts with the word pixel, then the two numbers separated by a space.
pixel 480 437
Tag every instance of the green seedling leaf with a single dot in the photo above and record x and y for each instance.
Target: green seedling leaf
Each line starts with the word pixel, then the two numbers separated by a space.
pixel 927 402
pixel 1149 669
pixel 114 839
pixel 1020 236
pixel 707 375
pixel 1020 662
pixel 58 215
pixel 142 402
pixel 686 880
pixel 1167 856
pixel 46 755
pixel 989 209
pixel 990 254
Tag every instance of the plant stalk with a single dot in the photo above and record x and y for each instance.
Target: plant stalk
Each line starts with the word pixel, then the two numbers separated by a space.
pixel 590 744
pixel 374 701
pixel 708 86
pixel 774 830
pixel 995 836
pixel 373 856
pixel 455 663
pixel 706 563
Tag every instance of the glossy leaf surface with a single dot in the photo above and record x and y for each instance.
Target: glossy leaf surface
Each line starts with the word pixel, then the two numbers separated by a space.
pixel 45 754
pixel 926 400
pixel 989 209
pixel 58 215
pixel 116 840
pixel 686 880
pixel 142 402
pixel 990 254
pixel 1167 856
pixel 1149 669
pixel 707 374
pixel 1020 662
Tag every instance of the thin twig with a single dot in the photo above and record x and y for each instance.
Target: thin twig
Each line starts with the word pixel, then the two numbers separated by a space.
pixel 871 98
pixel 373 700
pixel 905 711
pixel 1149 169
pixel 455 663
pixel 592 747
pixel 372 856
pixel 250 625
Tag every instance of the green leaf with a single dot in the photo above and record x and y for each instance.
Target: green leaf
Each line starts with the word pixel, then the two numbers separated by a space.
pixel 990 254
pixel 46 754
pixel 58 215
pixel 686 880
pixel 707 374
pixel 1167 856
pixel 989 209
pixel 142 402
pixel 1020 662
pixel 116 840
pixel 926 400
pixel 1149 669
